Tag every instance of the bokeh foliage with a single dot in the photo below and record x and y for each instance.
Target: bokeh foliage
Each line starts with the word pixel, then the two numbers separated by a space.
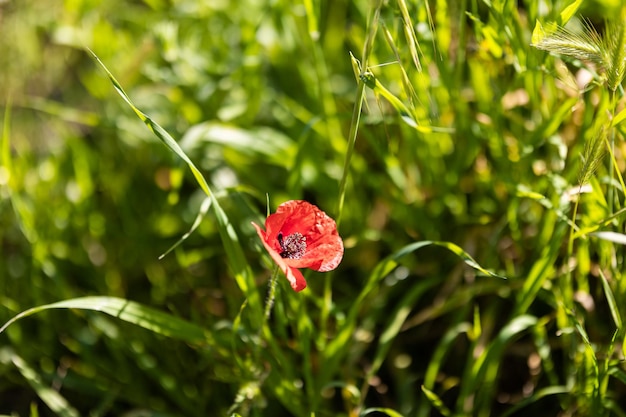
pixel 472 145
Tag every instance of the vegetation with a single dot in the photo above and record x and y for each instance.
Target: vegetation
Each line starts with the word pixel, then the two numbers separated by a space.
pixel 470 152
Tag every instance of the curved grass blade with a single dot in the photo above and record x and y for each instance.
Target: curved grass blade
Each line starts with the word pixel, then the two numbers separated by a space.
pixel 545 392
pixel 155 127
pixel 568 12
pixel 129 311
pixel 204 208
pixel 237 262
pixel 614 237
pixel 610 299
pixel 409 33
pixel 436 402
pixel 485 369
pixel 336 349
pixel 466 258
pixel 53 399
pixel 523 191
pixel 387 411
pixel 398 317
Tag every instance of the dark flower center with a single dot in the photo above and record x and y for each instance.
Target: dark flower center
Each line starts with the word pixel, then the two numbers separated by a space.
pixel 293 246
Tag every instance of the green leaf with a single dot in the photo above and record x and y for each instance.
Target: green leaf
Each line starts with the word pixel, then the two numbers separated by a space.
pixel 568 12
pixel 129 311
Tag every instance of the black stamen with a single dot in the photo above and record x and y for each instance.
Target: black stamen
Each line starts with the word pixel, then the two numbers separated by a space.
pixel 293 246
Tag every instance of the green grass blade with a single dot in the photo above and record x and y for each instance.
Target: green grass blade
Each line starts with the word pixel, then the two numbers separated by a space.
pixel 52 398
pixel 129 311
pixel 409 33
pixel 354 129
pixel 204 208
pixel 545 392
pixel 485 369
pixel 610 298
pixel 619 118
pixel 568 12
pixel 436 402
pixel 398 317
pixel 387 411
pixel 615 237
pixel 155 127
pixel 237 262
pixel 358 105
pixel 466 258
pixel 336 349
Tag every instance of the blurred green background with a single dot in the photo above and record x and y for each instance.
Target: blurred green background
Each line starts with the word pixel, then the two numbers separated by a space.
pixel 481 148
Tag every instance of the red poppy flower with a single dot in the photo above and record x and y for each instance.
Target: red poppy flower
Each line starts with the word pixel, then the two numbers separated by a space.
pixel 300 235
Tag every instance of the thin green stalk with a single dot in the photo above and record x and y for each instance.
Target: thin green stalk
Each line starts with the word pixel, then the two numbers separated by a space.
pixel 271 296
pixel 356 111
pixel 610 194
pixel 354 128
pixel 356 116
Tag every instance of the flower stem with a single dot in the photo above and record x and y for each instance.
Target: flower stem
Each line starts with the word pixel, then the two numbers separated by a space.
pixel 271 295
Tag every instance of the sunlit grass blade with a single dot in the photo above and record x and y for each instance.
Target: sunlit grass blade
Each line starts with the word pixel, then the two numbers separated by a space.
pixel 406 83
pixel 409 34
pixel 614 237
pixel 436 402
pixel 466 258
pixel 52 398
pixel 523 191
pixel 358 105
pixel 568 12
pixel 354 128
pixel 155 128
pixel 230 240
pixel 405 114
pixel 619 118
pixel 387 411
pixel 129 311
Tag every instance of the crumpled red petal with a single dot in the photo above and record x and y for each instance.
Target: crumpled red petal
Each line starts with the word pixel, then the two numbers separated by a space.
pixel 324 247
pixel 294 276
